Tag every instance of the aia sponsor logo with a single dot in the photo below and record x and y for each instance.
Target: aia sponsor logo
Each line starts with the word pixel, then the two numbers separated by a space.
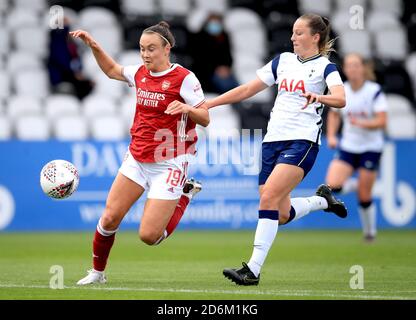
pixel 292 86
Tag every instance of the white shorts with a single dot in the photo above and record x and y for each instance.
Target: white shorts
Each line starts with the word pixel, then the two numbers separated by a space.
pixel 163 180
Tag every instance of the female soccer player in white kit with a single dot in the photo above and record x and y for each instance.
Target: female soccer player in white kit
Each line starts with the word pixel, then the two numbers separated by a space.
pixel 362 139
pixel 293 135
pixel 160 148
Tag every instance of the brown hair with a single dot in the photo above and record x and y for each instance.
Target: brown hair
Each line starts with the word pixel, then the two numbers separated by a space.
pixel 320 25
pixel 163 30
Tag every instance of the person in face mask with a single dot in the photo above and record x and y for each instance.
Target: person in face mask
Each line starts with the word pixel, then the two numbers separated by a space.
pixel 210 49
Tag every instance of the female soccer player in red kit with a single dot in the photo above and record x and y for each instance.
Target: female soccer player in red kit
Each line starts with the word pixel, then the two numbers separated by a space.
pixel 161 145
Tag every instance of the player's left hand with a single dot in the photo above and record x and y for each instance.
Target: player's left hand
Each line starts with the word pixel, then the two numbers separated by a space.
pixel 310 98
pixel 177 107
pixel 355 121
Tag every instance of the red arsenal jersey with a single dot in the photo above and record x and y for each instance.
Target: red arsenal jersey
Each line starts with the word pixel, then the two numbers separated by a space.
pixel 157 136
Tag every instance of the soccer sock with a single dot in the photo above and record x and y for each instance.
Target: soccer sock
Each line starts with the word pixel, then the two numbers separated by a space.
pixel 367 212
pixel 176 217
pixel 265 233
pixel 350 185
pixel 103 241
pixel 302 206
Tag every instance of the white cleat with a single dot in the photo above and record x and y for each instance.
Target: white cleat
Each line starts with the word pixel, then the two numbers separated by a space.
pixel 192 187
pixel 93 277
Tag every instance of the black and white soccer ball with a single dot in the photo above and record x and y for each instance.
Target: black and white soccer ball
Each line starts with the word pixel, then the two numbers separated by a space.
pixel 59 179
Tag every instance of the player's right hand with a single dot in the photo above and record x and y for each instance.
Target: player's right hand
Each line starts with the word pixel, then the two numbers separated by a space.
pixel 332 142
pixel 84 36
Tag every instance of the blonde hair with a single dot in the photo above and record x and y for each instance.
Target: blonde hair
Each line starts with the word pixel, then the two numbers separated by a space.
pixel 320 25
pixel 368 64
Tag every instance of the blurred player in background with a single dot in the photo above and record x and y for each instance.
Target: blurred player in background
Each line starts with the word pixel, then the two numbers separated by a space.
pixel 292 141
pixel 160 148
pixel 361 144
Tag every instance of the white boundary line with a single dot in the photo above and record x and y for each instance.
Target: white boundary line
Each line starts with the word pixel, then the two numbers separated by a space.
pixel 285 293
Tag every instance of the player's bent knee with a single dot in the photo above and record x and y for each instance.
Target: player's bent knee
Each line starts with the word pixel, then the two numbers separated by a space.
pixel 149 237
pixel 268 200
pixel 109 222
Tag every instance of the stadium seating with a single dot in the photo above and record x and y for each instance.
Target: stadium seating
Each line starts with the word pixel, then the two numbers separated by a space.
pixel 69 128
pixel 347 4
pixel 5 128
pixel 357 41
pixel 134 7
pixel 60 105
pixel 212 5
pixel 4 41
pixel 33 83
pixel 401 120
pixel 4 85
pixel 411 68
pixel 19 106
pixel 394 7
pixel 23 60
pixel 36 127
pixel 98 105
pixel 108 128
pixel 177 7
pixel 322 7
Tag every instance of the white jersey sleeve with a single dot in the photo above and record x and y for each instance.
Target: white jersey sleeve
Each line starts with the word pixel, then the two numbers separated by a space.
pixel 191 91
pixel 380 102
pixel 331 75
pixel 268 73
pixel 129 72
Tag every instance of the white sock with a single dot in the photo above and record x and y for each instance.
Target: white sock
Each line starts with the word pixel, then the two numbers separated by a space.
pixel 163 237
pixel 368 220
pixel 265 233
pixel 350 185
pixel 303 206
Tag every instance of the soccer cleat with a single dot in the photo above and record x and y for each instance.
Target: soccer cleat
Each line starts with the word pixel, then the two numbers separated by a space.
pixel 334 205
pixel 192 187
pixel 93 277
pixel 369 238
pixel 243 276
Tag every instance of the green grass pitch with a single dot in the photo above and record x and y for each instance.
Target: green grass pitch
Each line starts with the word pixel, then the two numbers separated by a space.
pixel 300 265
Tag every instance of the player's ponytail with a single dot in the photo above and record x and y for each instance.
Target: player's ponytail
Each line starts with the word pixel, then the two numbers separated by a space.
pixel 163 30
pixel 321 25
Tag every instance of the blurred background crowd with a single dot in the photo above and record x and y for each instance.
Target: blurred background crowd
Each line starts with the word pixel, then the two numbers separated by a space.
pixel 51 86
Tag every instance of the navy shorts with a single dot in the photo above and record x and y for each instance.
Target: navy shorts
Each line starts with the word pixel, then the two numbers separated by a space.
pixel 366 160
pixel 300 153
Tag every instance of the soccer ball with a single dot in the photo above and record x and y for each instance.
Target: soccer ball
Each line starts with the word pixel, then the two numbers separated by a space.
pixel 59 179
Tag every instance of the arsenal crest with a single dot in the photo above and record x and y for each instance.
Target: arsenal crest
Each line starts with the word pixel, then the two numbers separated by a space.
pixel 165 85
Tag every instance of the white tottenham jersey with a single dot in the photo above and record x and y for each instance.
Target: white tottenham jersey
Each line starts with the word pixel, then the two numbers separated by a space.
pixel 362 104
pixel 290 119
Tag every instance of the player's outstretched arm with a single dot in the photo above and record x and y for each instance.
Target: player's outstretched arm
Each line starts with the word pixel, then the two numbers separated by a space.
pixel 112 69
pixel 237 94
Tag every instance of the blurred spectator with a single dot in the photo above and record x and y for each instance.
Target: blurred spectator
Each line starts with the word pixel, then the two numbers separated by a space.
pixel 64 64
pixel 212 60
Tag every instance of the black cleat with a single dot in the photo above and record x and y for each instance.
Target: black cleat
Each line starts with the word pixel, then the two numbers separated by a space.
pixel 192 187
pixel 243 276
pixel 334 205
pixel 369 238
